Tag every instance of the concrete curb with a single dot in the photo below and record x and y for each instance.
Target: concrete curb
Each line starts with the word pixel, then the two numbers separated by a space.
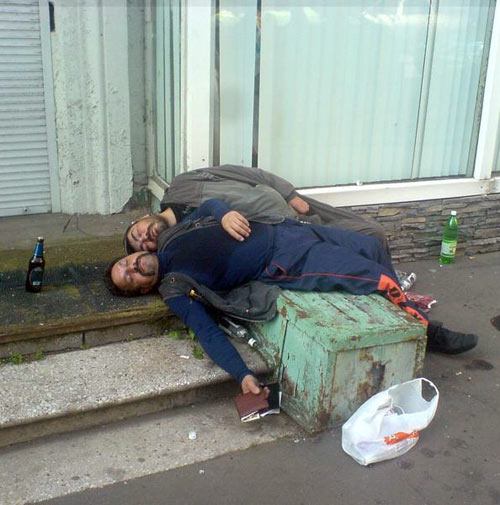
pixel 84 388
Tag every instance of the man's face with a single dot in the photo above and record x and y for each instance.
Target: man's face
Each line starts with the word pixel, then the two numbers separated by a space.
pixel 137 272
pixel 143 235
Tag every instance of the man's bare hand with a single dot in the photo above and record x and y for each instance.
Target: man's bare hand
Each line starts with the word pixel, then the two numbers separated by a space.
pixel 250 384
pixel 301 206
pixel 236 225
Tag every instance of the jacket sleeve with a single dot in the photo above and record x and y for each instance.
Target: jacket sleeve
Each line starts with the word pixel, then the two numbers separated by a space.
pixel 213 207
pixel 213 340
pixel 259 176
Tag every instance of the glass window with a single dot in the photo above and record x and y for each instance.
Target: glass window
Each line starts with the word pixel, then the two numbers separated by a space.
pixel 339 92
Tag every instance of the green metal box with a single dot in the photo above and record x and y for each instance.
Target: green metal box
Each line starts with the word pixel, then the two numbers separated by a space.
pixel 332 351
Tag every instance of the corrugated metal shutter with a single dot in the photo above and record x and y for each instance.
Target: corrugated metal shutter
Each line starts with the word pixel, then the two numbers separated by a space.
pixel 24 145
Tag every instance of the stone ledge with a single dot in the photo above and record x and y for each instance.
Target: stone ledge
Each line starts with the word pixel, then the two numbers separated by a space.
pixel 414 228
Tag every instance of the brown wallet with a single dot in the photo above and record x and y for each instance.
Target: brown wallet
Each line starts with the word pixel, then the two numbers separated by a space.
pixel 249 405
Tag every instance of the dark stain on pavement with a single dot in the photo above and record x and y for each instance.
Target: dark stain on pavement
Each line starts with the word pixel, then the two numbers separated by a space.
pixel 458 443
pixel 427 452
pixel 115 473
pixel 479 364
pixel 406 465
pixel 495 321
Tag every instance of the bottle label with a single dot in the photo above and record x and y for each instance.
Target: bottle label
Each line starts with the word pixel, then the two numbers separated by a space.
pixel 36 276
pixel 448 248
pixel 38 250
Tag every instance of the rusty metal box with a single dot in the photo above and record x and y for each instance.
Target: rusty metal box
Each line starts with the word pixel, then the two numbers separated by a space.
pixel 332 351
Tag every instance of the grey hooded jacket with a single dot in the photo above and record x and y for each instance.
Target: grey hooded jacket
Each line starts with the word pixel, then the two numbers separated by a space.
pixel 260 196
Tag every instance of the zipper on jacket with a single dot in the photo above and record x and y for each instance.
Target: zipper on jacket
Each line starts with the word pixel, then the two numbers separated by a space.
pixel 195 295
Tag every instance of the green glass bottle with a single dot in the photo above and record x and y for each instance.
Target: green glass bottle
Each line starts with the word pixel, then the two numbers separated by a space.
pixel 450 239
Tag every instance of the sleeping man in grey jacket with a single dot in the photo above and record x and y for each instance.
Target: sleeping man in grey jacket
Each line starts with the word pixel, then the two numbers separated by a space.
pixel 259 195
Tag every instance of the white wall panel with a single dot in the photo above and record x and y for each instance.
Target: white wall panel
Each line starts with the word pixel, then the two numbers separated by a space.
pixel 92 96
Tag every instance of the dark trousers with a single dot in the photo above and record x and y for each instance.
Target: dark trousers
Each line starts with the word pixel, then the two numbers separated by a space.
pixel 309 257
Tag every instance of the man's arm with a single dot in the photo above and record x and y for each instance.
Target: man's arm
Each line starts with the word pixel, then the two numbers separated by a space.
pixel 232 221
pixel 254 175
pixel 213 207
pixel 213 340
pixel 260 176
pixel 187 188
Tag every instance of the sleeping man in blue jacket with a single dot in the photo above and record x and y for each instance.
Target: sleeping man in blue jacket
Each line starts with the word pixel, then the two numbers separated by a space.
pixel 199 264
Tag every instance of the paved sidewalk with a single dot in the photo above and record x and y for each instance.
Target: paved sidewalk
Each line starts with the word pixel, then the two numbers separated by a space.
pixel 20 232
pixel 456 461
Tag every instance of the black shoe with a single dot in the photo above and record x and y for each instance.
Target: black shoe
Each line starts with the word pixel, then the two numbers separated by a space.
pixel 440 339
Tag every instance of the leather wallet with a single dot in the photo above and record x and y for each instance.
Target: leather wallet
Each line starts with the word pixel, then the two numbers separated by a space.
pixel 249 405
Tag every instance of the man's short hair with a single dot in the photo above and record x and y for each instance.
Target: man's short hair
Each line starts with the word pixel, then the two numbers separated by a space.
pixel 126 244
pixel 111 286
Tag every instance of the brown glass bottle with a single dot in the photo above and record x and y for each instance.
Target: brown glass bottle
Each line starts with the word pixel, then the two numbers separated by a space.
pixel 35 268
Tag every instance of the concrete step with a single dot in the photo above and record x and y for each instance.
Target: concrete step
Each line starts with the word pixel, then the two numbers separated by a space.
pixel 144 317
pixel 73 309
pixel 83 388
pixel 63 464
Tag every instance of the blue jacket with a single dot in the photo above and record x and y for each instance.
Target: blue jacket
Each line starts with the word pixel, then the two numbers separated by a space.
pixel 188 285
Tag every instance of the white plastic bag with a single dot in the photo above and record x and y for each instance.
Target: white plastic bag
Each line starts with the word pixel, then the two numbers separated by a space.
pixel 388 424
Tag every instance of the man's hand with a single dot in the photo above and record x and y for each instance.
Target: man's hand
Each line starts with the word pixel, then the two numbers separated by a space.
pixel 301 206
pixel 236 225
pixel 250 384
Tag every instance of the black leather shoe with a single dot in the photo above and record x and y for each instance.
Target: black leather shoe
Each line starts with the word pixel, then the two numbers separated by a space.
pixel 440 339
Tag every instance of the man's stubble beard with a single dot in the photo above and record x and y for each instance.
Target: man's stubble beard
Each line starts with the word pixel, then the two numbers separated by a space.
pixel 160 224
